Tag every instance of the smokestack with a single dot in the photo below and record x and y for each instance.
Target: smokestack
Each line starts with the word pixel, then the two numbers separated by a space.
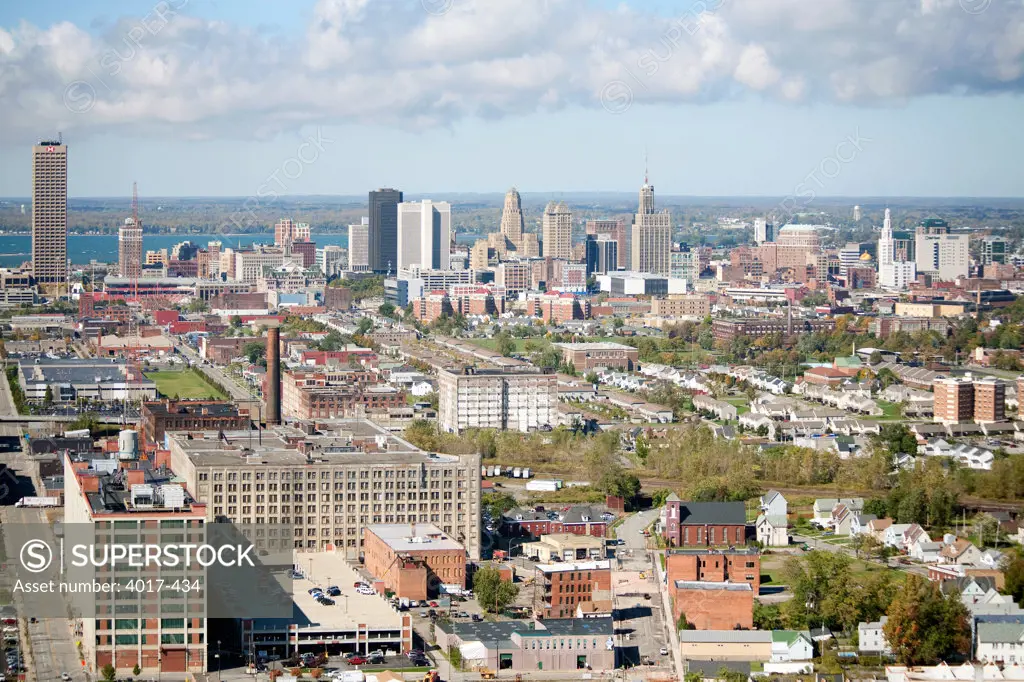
pixel 273 396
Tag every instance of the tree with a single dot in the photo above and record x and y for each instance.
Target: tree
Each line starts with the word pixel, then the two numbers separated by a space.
pixel 925 627
pixel 136 670
pixel 255 352
pixel 48 396
pixel 236 321
pixel 386 309
pixel 1013 568
pixel 506 345
pixel 643 448
pixel 365 326
pixel 497 503
pixel 897 438
pixel 615 481
pixel 109 673
pixel 659 496
pixel 767 616
pixel 493 593
pixel 196 305
pixel 986 527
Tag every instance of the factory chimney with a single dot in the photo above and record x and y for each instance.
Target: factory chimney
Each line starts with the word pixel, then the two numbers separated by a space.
pixel 273 392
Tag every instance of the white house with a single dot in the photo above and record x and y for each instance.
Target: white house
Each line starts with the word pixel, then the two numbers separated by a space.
pixel 774 504
pixel 999 643
pixel 871 638
pixel 772 530
pixel 894 535
pixel 925 552
pixel 791 645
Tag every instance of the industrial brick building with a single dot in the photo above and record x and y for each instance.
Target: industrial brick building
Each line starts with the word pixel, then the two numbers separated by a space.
pixel 325 395
pixel 413 560
pixel 564 587
pixel 703 524
pixel 159 416
pixel 586 356
pixel 713 605
pixel 741 565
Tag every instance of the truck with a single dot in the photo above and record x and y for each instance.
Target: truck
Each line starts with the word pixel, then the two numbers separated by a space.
pixel 542 485
pixel 516 472
pixel 38 502
pixel 526 472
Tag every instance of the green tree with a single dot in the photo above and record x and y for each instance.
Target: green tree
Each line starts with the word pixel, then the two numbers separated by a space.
pixel 659 496
pixel 1013 568
pixel 136 670
pixel 197 305
pixel 925 627
pixel 386 309
pixel 897 438
pixel 236 321
pixel 255 352
pixel 615 481
pixel 643 448
pixel 506 345
pixel 497 503
pixel 109 673
pixel 493 593
pixel 767 616
pixel 364 326
pixel 48 396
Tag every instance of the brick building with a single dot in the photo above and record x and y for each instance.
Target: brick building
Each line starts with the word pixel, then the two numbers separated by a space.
pixel 337 298
pixel 688 305
pixel 989 401
pixel 322 395
pixel 160 416
pixel 413 560
pixel 713 605
pixel 954 400
pixel 432 306
pixel 585 356
pixel 557 308
pixel 727 330
pixel 703 524
pixel 565 586
pixel 577 519
pixel 741 565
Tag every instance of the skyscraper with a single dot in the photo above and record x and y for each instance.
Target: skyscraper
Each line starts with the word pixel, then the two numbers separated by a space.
pixel 129 248
pixel 556 231
pixel 50 212
pixel 939 252
pixel 512 218
pixel 286 232
pixel 424 235
pixel 384 229
pixel 763 231
pixel 359 246
pixel 602 254
pixel 893 272
pixel 651 243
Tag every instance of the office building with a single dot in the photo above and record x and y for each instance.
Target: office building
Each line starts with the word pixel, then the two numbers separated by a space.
pixel 50 212
pixel 333 260
pixel 989 401
pixel 512 218
pixel 286 231
pixel 530 247
pixel 895 271
pixel 413 560
pixel 514 276
pixel 939 252
pixel 359 247
pixel 993 251
pixel 682 305
pixel 383 229
pixel 651 236
pixel 556 231
pixel 587 356
pixel 954 400
pixel 803 236
pixel 764 231
pixel 424 235
pixel 571 587
pixel 496 399
pixel 330 481
pixel 684 263
pixel 249 264
pixel 602 254
pixel 129 249
pixel 616 230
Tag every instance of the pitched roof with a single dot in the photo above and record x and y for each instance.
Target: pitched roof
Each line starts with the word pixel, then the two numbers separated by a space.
pixel 700 513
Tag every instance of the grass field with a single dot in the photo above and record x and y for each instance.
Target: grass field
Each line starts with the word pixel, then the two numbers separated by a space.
pixel 889 410
pixel 186 384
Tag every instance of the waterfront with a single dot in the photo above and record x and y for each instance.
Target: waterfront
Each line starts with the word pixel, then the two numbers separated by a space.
pixel 15 249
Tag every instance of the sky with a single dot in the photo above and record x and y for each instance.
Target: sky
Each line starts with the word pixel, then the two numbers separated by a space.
pixel 715 97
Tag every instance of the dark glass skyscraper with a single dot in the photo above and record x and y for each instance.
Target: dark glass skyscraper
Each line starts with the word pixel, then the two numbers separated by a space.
pixel 384 229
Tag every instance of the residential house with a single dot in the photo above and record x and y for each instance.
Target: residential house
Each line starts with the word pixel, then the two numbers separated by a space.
pixel 999 643
pixel 791 645
pixel 926 552
pixel 823 507
pixel 772 530
pixel 894 535
pixel 878 527
pixel 990 558
pixel 913 535
pixel 859 523
pixel 773 503
pixel 871 638
pixel 960 552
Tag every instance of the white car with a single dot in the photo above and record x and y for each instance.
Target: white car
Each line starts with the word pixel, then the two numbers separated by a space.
pixel 663 651
pixel 65 677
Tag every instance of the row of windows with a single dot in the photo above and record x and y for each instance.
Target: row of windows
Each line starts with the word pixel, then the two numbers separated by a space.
pixel 326 475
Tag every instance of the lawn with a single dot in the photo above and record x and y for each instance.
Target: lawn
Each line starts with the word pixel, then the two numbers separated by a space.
pixel 741 403
pixel 889 410
pixel 185 384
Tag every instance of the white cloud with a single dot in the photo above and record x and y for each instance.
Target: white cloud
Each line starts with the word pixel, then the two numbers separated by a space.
pixel 424 63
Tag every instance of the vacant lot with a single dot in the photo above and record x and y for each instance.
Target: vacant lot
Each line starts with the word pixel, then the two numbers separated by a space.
pixel 186 384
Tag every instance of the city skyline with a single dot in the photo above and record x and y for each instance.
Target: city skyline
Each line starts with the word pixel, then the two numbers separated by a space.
pixel 738 98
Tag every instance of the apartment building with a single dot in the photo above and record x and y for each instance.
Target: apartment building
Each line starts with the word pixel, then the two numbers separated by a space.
pixel 568 587
pixel 164 634
pixel 330 482
pixel 727 330
pixel 586 356
pixel 496 399
pixel 688 305
pixel 954 400
pixel 989 401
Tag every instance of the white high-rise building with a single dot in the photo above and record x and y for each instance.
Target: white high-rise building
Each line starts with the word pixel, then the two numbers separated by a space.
pixel 129 248
pixel 940 253
pixel 359 247
pixel 892 273
pixel 651 244
pixel 856 214
pixel 763 231
pixel 556 231
pixel 424 235
pixel 332 260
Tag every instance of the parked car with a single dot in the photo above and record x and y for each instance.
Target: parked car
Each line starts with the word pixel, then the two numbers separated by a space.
pixel 663 651
pixel 357 660
pixel 477 617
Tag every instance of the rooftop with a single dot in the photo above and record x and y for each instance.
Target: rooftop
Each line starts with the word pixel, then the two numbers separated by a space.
pixel 708 585
pixel 422 537
pixel 564 567
pixel 606 345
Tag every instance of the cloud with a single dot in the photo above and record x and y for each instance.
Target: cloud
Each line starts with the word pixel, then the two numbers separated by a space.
pixel 429 63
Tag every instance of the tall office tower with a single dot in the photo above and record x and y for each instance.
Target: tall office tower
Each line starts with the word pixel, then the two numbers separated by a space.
pixel 50 212
pixel 512 218
pixel 763 231
pixel 613 229
pixel 384 229
pixel 940 253
pixel 359 247
pixel 556 231
pixel 993 251
pixel 530 248
pixel 602 254
pixel 894 270
pixel 129 248
pixel 856 214
pixel 651 243
pixel 424 235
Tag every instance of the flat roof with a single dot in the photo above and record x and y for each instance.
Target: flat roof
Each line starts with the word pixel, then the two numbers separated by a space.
pixel 323 569
pixel 414 537
pixel 707 585
pixel 564 566
pixel 604 345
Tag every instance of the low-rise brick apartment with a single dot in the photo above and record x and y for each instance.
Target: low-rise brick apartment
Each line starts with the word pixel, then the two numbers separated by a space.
pixel 413 560
pixel 564 587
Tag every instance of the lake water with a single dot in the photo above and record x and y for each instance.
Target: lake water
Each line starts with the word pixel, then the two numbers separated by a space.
pixel 15 249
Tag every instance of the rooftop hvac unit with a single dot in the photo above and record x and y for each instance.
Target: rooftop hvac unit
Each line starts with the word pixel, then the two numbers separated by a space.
pixel 104 466
pixel 173 496
pixel 143 495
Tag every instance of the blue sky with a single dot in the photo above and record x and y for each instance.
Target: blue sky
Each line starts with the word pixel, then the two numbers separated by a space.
pixel 731 97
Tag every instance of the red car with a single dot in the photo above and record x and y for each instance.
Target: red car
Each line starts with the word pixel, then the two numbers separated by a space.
pixel 357 660
pixel 433 604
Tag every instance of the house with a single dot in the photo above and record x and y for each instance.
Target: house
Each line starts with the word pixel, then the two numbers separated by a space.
pixel 871 638
pixel 774 504
pixel 913 535
pixel 894 535
pixel 960 552
pixel 990 558
pixel 859 523
pixel 772 530
pixel 878 527
pixel 925 552
pixel 999 642
pixel 842 519
pixel 823 507
pixel 967 672
pixel 791 645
